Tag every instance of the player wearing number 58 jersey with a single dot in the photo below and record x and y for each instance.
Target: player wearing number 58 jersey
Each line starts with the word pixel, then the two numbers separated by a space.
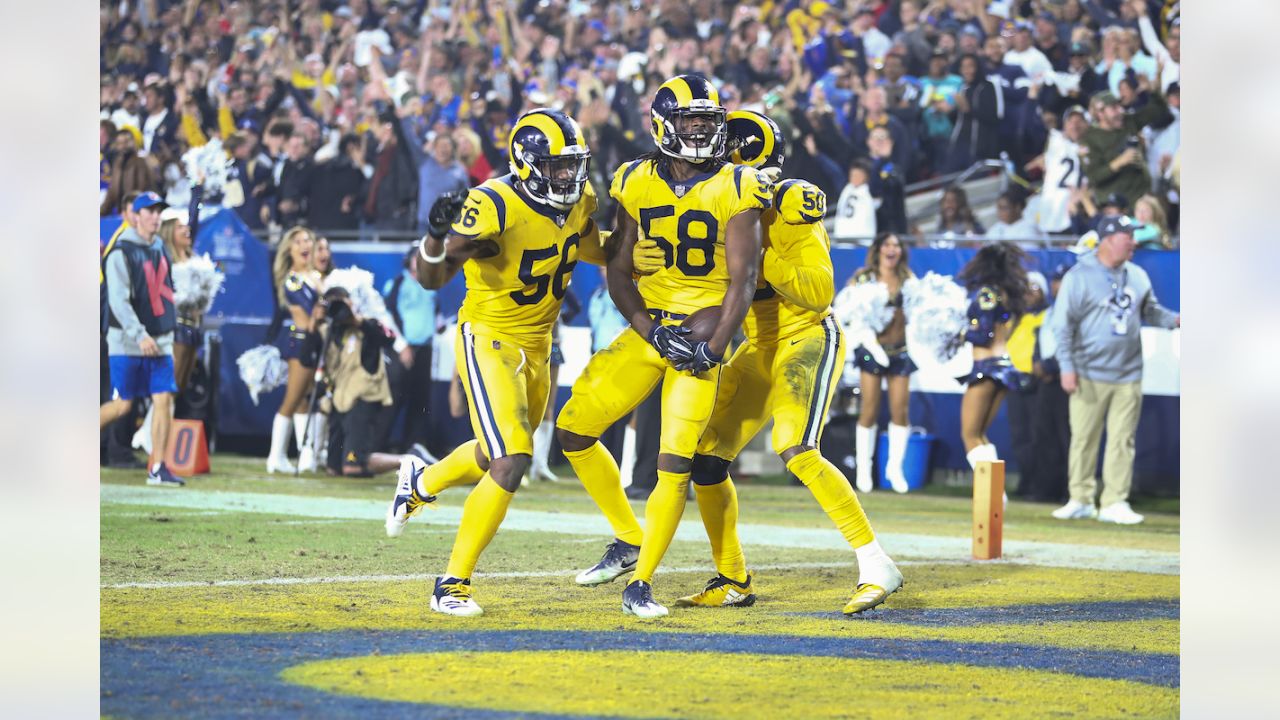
pixel 516 239
pixel 704 214
pixel 786 370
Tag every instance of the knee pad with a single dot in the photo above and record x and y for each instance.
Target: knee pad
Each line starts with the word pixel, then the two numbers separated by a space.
pixel 708 470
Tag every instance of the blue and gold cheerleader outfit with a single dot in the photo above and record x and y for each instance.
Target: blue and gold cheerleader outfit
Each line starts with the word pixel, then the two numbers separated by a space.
pixel 987 310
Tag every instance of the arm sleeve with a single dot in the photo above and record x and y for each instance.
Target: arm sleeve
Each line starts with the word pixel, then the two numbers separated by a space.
pixel 119 291
pixel 483 214
pixel 804 274
pixel 1151 41
pixel 1153 313
pixel 1065 324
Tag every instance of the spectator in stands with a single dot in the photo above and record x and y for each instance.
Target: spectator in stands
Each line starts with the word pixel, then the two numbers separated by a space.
pixel 295 181
pixel 856 209
pixel 1104 300
pixel 1113 159
pixel 886 184
pixel 1027 56
pixel 955 217
pixel 976 134
pixel 389 200
pixel 1120 54
pixel 250 176
pixel 439 172
pixel 1012 224
pixel 1163 143
pixel 1062 172
pixel 337 188
pixel 1154 231
pixel 141 322
pixel 159 124
pixel 128 172
pixel 1167 54
pixel 1049 41
pixel 938 102
pixel 913 36
pixel 1074 86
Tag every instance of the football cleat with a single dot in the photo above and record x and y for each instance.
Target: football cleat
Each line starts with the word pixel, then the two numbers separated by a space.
pixel 619 559
pixel 722 592
pixel 876 583
pixel 452 596
pixel 407 501
pixel 162 476
pixel 637 599
pixel 1075 510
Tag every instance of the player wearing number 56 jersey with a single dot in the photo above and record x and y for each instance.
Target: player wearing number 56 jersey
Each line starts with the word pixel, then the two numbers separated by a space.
pixel 516 238
pixel 786 370
pixel 704 215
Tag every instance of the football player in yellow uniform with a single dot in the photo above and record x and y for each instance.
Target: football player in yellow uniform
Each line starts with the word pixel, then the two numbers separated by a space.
pixel 517 240
pixel 787 369
pixel 705 216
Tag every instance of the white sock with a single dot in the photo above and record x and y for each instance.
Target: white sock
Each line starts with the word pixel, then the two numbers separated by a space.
pixel 628 456
pixel 280 436
pixel 542 443
pixel 300 430
pixel 142 438
pixel 864 442
pixel 156 468
pixel 870 552
pixel 319 432
pixel 982 452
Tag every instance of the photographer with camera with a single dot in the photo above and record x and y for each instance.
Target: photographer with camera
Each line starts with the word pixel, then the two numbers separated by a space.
pixel 357 376
pixel 1111 149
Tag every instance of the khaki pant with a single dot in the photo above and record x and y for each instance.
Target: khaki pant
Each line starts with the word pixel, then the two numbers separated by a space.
pixel 1118 406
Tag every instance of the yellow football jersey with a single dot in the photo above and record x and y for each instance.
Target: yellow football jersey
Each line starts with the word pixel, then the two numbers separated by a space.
pixel 687 219
pixel 797 281
pixel 516 294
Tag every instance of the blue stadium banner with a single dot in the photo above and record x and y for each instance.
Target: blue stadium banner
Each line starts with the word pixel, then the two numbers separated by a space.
pixel 244 260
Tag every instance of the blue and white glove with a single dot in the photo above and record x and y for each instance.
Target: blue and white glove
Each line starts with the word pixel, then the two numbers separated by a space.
pixel 668 340
pixel 702 360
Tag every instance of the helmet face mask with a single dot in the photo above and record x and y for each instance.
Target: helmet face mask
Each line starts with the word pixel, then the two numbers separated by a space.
pixel 549 157
pixel 693 129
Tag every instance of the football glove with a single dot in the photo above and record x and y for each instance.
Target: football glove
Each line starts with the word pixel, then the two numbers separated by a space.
pixel 647 258
pixel 702 360
pixel 444 213
pixel 668 341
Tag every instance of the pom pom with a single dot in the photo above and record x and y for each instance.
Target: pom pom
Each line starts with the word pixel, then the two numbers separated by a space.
pixel 211 162
pixel 196 282
pixel 365 300
pixel 262 370
pixel 864 306
pixel 937 311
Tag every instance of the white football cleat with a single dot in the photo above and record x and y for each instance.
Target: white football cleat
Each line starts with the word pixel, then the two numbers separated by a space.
pixel 619 559
pixel 637 599
pixel 1075 510
pixel 1119 513
pixel 452 596
pixel 407 502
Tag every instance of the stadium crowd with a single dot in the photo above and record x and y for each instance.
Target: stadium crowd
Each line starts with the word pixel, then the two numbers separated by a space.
pixel 354 117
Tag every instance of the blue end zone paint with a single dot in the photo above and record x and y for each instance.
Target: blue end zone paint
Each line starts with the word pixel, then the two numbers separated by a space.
pixel 1021 614
pixel 212 676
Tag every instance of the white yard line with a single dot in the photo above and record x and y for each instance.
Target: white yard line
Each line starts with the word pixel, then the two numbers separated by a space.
pixel 904 545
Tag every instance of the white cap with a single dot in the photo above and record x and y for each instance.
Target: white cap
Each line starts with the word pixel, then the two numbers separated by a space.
pixel 173 213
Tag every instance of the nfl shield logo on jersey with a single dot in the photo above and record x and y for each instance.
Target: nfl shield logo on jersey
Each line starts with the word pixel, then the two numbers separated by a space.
pixel 680 190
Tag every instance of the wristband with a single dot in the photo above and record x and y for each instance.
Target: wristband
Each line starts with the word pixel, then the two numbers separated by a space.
pixel 433 259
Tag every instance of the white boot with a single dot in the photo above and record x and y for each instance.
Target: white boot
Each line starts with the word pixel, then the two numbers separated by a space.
pixel 864 442
pixel 278 460
pixel 985 453
pixel 320 437
pixel 628 456
pixel 306 453
pixel 538 469
pixel 142 438
pixel 898 436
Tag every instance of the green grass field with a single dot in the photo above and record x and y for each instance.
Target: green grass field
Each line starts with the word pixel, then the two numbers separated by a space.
pixel 247 594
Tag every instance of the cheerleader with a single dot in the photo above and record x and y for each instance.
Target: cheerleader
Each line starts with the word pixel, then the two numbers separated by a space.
pixel 997 284
pixel 178 231
pixel 884 358
pixel 297 285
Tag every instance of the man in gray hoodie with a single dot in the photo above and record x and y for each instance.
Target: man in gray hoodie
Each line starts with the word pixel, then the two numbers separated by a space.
pixel 141 321
pixel 1101 306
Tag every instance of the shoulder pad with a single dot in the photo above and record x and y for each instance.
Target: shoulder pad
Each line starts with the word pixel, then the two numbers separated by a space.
pixel 620 177
pixel 589 200
pixel 754 189
pixel 800 202
pixel 484 213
